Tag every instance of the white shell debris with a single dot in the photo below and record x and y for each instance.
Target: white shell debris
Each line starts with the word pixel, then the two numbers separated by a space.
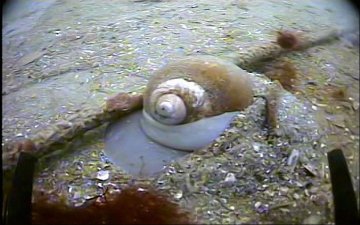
pixel 293 159
pixel 230 178
pixel 257 204
pixel 178 195
pixel 103 175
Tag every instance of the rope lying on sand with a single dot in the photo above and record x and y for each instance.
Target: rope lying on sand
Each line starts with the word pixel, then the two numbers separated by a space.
pixel 253 57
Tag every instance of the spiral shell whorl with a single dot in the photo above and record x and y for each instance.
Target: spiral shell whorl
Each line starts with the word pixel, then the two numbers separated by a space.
pixel 173 100
pixel 169 109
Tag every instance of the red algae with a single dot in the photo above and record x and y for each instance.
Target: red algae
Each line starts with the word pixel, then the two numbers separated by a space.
pixel 339 93
pixel 288 40
pixel 331 92
pixel 133 205
pixel 285 72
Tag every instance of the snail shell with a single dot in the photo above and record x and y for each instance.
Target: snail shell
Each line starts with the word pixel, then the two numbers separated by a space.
pixel 189 102
pixel 196 87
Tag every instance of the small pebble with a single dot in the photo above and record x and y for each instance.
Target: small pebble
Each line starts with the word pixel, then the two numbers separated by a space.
pixel 284 190
pixel 293 159
pixel 230 178
pixel 77 195
pixel 178 195
pixel 296 196
pixel 19 135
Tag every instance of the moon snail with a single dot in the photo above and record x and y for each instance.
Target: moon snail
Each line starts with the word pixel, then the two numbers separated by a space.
pixel 187 104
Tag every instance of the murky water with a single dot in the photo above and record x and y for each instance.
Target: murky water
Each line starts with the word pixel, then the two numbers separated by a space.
pixel 62 56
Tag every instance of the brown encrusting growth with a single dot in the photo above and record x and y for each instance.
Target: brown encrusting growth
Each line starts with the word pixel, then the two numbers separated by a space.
pixel 123 102
pixel 272 109
pixel 285 72
pixel 339 93
pixel 134 205
pixel 288 40
pixel 334 93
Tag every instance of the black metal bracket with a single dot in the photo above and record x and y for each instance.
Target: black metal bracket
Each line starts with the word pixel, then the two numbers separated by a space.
pixel 18 203
pixel 346 211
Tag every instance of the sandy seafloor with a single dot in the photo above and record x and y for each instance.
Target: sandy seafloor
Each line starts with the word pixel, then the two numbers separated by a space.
pixel 60 56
